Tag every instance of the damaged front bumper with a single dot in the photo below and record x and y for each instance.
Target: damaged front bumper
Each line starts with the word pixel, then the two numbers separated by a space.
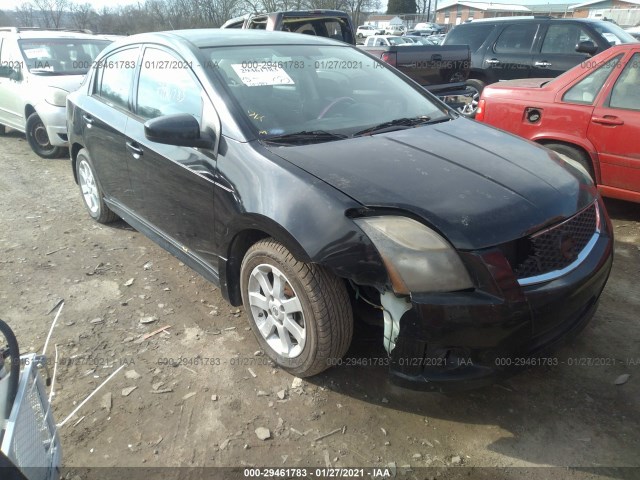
pixel 464 340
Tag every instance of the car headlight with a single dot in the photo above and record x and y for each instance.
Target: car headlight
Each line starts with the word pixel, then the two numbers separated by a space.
pixel 56 96
pixel 417 258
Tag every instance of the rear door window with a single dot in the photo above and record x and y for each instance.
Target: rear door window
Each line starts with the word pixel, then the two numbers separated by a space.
pixel 516 38
pixel 586 90
pixel 563 38
pixel 115 74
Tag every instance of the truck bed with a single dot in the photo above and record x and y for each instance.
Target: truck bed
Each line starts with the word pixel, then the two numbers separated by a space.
pixel 433 66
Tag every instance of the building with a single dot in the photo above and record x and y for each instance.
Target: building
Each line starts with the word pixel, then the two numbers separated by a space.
pixel 384 21
pixel 460 11
pixel 624 12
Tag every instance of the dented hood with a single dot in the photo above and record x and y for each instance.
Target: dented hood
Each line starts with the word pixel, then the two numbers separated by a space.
pixel 477 185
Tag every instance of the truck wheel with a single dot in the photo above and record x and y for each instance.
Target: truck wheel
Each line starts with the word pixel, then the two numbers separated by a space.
pixel 92 194
pixel 38 138
pixel 299 312
pixel 475 88
pixel 574 154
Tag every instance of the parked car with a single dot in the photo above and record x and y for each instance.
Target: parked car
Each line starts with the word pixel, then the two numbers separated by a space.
pixel 590 114
pixel 38 68
pixel 293 174
pixel 507 49
pixel 395 30
pixel 322 23
pixel 432 28
pixel 419 33
pixel 386 41
pixel 368 30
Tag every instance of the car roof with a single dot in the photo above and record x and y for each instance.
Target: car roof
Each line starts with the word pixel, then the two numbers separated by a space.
pixel 215 37
pixel 27 34
pixel 529 19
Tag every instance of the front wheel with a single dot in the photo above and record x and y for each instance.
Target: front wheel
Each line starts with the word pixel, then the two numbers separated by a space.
pixel 39 139
pixel 299 312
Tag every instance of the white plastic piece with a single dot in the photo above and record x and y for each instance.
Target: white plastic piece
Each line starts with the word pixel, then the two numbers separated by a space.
pixel 394 308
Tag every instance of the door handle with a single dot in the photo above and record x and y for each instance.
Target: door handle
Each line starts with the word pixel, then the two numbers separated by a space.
pixel 88 119
pixel 609 120
pixel 134 149
pixel 493 61
pixel 543 64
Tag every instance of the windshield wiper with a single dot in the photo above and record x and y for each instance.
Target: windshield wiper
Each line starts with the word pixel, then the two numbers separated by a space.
pixel 305 137
pixel 397 124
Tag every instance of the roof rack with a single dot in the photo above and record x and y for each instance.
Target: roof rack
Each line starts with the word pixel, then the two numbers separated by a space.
pixel 22 29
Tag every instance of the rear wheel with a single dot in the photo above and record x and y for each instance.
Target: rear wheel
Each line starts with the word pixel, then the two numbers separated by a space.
pixel 92 194
pixel 575 154
pixel 299 312
pixel 39 139
pixel 475 88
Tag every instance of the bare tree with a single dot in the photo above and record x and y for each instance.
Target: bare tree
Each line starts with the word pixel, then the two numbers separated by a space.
pixel 52 12
pixel 25 15
pixel 81 15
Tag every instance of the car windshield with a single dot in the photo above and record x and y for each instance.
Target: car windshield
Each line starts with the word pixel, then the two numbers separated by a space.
pixel 613 33
pixel 398 40
pixel 60 56
pixel 330 91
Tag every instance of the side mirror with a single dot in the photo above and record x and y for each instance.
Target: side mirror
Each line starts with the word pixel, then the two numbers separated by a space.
pixel 181 129
pixel 587 47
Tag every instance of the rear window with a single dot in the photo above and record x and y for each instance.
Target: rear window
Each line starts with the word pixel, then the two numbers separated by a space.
pixel 472 35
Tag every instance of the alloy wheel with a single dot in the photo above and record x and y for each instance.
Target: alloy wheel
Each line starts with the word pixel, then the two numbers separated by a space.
pixel 277 311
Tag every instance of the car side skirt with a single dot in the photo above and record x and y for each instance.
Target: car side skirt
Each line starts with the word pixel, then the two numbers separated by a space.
pixel 619 193
pixel 179 251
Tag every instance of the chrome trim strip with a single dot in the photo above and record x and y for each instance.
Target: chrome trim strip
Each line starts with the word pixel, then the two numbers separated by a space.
pixel 549 276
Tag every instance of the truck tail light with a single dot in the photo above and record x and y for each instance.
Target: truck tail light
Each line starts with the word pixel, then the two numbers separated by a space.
pixel 480 111
pixel 390 58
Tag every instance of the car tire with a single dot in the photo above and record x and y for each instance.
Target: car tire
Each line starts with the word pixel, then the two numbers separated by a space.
pixel 39 139
pixel 360 36
pixel 476 87
pixel 92 195
pixel 3 130
pixel 316 328
pixel 574 154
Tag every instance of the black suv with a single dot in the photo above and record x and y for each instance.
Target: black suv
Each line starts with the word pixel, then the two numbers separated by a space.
pixel 530 47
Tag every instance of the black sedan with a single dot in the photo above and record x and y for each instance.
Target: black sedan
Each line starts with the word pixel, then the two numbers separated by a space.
pixel 304 176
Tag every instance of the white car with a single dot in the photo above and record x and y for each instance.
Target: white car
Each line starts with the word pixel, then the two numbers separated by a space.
pixel 367 31
pixel 387 41
pixel 395 30
pixel 38 69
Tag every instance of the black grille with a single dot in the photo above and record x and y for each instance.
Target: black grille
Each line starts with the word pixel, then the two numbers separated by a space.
pixel 558 246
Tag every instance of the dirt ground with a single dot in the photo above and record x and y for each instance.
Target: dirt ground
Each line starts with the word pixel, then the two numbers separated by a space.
pixel 204 410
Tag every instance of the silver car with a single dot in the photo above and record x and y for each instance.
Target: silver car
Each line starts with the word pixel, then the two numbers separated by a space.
pixel 38 68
